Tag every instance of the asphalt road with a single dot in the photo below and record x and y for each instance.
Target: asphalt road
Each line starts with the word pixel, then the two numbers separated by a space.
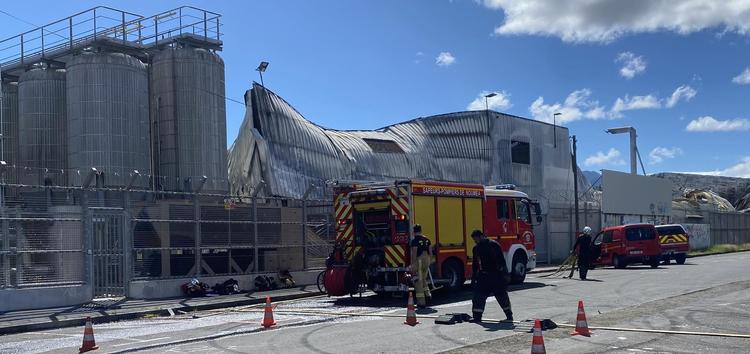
pixel 708 294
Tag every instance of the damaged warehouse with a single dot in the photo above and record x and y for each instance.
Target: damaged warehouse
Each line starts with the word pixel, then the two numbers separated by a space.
pixel 280 153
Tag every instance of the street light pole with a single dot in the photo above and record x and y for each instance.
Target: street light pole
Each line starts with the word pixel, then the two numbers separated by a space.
pixel 575 181
pixel 554 128
pixel 633 146
pixel 487 105
pixel 486 100
pixel 260 69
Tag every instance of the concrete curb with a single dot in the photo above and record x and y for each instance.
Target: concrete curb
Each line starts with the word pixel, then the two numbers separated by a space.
pixel 713 254
pixel 137 313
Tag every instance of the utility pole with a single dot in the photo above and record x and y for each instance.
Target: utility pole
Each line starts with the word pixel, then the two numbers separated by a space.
pixel 575 181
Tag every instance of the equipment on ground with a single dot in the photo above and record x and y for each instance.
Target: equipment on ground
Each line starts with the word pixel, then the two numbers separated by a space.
pixel 453 318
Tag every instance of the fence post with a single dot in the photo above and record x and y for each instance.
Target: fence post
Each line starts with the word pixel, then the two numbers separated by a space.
pixel 87 241
pixel 127 244
pixel 304 233
pixel 255 235
pixel 4 259
pixel 196 220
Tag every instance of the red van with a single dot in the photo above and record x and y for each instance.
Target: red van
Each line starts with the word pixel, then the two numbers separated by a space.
pixel 674 243
pixel 621 245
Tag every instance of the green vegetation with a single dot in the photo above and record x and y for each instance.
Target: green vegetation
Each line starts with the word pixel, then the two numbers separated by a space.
pixel 717 249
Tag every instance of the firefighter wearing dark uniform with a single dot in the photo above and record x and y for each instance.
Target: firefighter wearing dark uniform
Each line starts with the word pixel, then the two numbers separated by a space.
pixel 583 249
pixel 421 257
pixel 490 276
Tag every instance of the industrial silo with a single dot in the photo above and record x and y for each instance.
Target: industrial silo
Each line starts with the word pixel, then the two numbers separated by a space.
pixel 108 118
pixel 9 128
pixel 189 114
pixel 42 127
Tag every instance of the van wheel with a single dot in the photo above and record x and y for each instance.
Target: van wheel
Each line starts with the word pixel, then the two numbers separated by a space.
pixel 453 271
pixel 619 262
pixel 518 273
pixel 680 258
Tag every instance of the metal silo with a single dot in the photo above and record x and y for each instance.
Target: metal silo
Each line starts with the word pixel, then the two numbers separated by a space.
pixel 108 118
pixel 9 127
pixel 187 103
pixel 42 127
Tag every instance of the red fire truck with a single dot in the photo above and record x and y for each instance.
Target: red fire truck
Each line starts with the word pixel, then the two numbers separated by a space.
pixel 375 221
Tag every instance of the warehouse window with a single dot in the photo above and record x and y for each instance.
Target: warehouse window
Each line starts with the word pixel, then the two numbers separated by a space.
pixel 385 146
pixel 520 152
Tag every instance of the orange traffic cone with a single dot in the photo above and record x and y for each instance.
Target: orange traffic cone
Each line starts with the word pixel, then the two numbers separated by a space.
pixel 268 314
pixel 582 327
pixel 88 338
pixel 411 315
pixel 537 342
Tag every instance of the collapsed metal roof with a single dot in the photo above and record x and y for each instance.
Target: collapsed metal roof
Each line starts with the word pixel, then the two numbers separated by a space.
pixel 277 145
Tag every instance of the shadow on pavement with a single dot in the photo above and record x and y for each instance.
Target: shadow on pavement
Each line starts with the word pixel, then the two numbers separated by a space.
pixel 440 297
pixel 495 326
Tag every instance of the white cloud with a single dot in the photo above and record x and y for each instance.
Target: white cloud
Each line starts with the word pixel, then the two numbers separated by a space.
pixel 632 64
pixel 612 157
pixel 501 100
pixel 683 92
pixel 418 56
pixel 445 59
pixel 632 103
pixel 578 105
pixel 743 78
pixel 741 169
pixel 659 154
pixel 710 124
pixel 606 20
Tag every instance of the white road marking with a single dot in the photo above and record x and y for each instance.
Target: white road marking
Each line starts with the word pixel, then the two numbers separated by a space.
pixel 139 341
pixel 59 334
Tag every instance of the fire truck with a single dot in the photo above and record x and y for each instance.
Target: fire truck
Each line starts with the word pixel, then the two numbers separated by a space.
pixel 374 225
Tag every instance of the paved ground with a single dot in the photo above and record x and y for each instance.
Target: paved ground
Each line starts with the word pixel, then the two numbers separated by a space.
pixel 708 294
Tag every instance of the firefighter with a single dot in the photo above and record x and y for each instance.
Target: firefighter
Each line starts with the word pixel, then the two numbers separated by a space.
pixel 583 249
pixel 421 258
pixel 489 275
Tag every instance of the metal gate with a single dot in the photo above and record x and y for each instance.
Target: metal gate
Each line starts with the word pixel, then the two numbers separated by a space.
pixel 107 252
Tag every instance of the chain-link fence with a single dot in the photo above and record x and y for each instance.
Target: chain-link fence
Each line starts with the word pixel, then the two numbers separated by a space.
pixel 108 236
pixel 41 237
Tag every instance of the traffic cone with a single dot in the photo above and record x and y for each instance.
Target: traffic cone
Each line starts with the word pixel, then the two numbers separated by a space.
pixel 268 314
pixel 88 338
pixel 582 327
pixel 411 315
pixel 537 341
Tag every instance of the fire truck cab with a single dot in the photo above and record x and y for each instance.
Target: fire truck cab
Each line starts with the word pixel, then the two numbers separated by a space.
pixel 375 226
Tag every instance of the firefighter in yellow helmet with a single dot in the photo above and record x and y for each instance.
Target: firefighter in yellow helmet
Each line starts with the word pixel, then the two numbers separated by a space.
pixel 421 257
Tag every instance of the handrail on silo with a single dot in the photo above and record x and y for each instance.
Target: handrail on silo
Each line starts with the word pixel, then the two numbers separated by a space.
pixel 103 22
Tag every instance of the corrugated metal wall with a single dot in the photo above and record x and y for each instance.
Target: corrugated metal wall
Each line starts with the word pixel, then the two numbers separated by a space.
pixel 189 109
pixel 277 144
pixel 108 122
pixel 42 126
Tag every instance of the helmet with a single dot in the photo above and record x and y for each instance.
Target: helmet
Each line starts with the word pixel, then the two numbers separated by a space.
pixel 476 233
pixel 417 228
pixel 587 230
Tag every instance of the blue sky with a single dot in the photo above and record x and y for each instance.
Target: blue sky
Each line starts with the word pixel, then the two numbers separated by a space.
pixel 675 66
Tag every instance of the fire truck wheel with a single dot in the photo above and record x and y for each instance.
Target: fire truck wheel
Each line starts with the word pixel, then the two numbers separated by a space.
pixel 654 263
pixel 518 272
pixel 618 262
pixel 680 258
pixel 453 271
